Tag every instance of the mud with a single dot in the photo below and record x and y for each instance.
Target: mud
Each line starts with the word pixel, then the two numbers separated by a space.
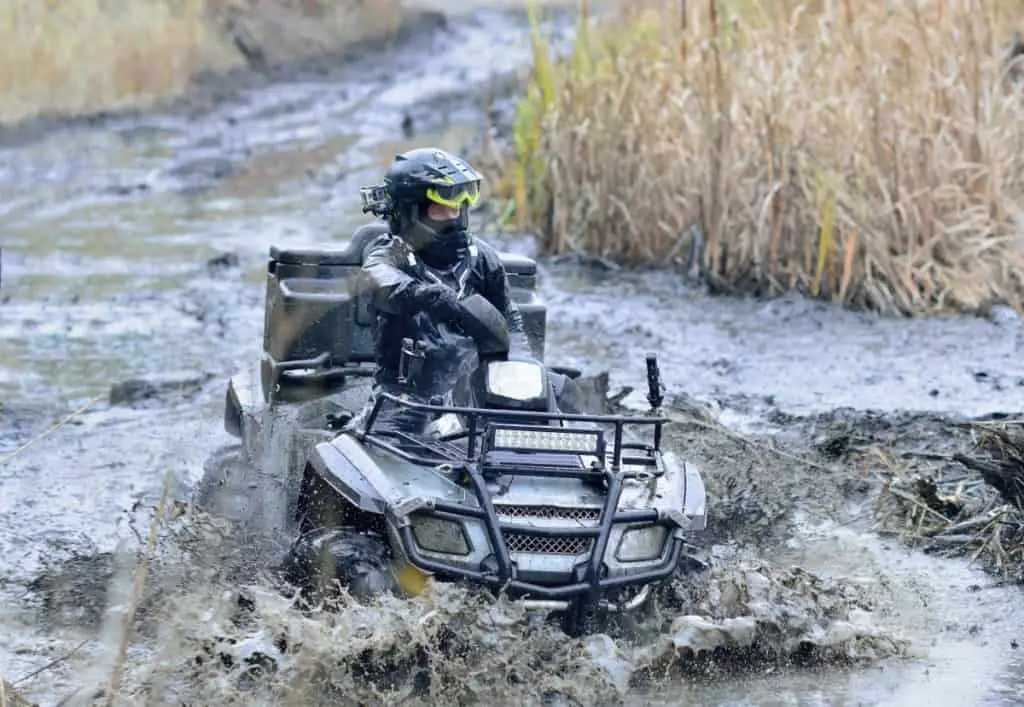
pixel 816 595
pixel 789 353
pixel 457 648
pixel 741 616
pixel 133 256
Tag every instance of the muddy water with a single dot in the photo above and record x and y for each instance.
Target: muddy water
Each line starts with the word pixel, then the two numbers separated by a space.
pixel 106 241
pixel 797 354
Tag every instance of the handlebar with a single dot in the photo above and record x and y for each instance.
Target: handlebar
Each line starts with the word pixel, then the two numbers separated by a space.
pixel 655 389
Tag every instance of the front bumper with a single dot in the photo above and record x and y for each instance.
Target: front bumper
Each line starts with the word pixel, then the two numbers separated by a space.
pixel 615 607
pixel 590 581
pixel 557 597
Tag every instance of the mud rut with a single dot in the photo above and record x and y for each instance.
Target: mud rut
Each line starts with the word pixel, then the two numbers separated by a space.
pixel 812 596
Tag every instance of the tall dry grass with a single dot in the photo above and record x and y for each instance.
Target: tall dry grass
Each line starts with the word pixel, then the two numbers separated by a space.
pixel 861 151
pixel 76 57
pixel 79 56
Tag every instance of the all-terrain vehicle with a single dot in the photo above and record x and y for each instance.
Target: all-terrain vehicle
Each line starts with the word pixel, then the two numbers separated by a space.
pixel 575 514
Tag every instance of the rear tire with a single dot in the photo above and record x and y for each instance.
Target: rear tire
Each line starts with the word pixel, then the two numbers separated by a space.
pixel 325 561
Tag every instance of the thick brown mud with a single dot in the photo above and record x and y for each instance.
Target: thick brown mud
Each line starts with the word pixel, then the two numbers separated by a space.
pixel 133 256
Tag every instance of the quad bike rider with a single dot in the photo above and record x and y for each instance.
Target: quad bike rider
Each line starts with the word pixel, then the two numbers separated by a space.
pixel 485 467
pixel 420 273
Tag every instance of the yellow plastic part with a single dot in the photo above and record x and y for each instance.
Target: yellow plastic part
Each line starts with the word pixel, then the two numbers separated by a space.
pixel 411 580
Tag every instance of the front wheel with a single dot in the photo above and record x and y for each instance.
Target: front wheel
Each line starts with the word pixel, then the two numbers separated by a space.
pixel 584 618
pixel 324 561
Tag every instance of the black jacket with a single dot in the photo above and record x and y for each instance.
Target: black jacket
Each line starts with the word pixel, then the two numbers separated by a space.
pixel 396 277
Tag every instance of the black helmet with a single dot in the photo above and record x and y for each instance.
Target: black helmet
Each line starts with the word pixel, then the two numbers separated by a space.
pixel 424 176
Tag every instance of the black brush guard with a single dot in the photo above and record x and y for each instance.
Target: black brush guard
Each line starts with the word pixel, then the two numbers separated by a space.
pixel 472 465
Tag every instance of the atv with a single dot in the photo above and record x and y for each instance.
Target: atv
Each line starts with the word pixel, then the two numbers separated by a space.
pixel 576 514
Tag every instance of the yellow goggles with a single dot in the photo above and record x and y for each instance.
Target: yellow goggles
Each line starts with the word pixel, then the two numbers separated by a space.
pixel 455 196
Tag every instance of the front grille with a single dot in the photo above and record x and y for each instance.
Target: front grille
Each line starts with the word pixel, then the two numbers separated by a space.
pixel 552 512
pixel 518 542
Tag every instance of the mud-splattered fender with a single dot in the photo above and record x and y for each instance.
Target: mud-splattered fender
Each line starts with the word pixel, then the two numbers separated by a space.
pixel 695 496
pixel 232 410
pixel 344 466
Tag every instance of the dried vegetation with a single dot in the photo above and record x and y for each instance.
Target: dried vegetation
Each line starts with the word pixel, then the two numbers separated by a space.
pixel 857 151
pixel 74 57
pixel 967 505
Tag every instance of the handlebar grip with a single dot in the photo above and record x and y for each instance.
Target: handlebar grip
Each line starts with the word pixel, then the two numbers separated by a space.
pixel 654 396
pixel 652 368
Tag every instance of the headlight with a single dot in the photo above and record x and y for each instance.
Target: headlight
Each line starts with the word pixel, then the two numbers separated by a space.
pixel 515 380
pixel 639 544
pixel 439 535
pixel 575 441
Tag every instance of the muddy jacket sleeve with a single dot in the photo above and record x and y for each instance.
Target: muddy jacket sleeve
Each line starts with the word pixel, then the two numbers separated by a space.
pixel 498 292
pixel 394 290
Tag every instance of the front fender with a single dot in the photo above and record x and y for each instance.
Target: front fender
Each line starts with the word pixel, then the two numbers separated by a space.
pixel 232 412
pixel 348 471
pixel 695 495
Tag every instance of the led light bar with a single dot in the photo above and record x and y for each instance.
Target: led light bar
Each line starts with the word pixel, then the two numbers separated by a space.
pixel 570 441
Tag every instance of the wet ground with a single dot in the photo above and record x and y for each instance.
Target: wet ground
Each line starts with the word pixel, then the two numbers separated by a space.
pixel 134 249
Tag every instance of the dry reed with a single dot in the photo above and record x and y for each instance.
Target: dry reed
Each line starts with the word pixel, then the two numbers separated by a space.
pixel 136 596
pixel 45 433
pixel 978 515
pixel 10 697
pixel 75 57
pixel 858 151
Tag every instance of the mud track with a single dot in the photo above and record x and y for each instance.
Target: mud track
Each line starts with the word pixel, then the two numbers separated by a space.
pixel 133 259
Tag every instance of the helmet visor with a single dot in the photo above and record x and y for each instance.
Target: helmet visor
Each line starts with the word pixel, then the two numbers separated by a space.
pixel 455 196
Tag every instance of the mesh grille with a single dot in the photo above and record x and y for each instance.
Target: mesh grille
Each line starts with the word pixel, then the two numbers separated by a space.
pixel 589 514
pixel 547 546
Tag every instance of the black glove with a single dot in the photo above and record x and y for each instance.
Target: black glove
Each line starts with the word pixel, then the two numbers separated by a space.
pixel 441 302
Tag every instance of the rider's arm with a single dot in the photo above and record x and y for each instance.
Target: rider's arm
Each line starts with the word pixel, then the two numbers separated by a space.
pixel 498 292
pixel 394 290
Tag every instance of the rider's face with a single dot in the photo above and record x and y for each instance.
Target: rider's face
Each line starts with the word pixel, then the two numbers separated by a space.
pixel 441 213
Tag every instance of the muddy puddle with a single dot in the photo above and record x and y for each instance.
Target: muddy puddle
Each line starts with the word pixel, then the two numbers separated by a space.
pixel 134 249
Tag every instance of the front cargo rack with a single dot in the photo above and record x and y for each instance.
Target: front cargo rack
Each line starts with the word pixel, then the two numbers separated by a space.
pixel 484 458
